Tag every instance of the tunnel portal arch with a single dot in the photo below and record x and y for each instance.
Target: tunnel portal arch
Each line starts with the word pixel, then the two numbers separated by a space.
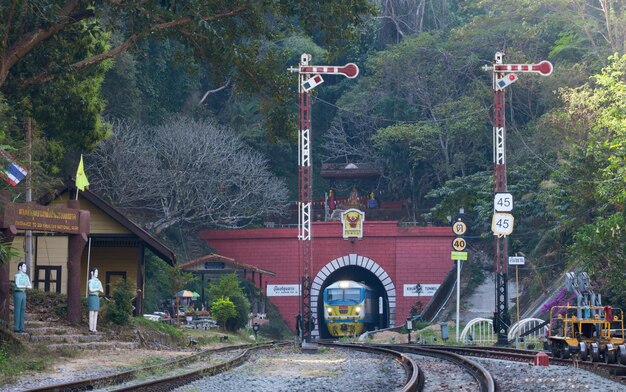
pixel 332 272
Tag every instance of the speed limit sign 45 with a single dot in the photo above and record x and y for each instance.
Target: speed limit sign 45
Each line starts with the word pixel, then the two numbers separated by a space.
pixel 502 224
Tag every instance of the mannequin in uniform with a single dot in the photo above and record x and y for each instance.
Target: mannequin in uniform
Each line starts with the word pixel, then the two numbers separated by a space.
pixel 93 300
pixel 22 282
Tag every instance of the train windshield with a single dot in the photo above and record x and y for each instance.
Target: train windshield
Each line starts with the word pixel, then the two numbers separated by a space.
pixel 352 295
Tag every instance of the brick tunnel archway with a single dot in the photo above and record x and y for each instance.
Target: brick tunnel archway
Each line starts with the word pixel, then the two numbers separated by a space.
pixel 352 260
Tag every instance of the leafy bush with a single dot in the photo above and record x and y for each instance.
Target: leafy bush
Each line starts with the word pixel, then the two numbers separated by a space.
pixel 120 307
pixel 222 310
pixel 229 287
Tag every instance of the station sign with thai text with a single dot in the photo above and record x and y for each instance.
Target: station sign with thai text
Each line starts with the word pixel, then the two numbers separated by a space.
pixel 27 216
pixel 283 290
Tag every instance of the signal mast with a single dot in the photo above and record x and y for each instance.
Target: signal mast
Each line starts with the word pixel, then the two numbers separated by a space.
pixel 309 77
pixel 502 221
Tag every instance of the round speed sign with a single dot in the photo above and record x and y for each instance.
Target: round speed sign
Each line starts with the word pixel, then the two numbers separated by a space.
pixel 459 228
pixel 459 244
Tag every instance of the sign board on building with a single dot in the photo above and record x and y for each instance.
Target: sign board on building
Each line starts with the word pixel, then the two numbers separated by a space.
pixel 352 221
pixel 423 290
pixel 283 290
pixel 28 216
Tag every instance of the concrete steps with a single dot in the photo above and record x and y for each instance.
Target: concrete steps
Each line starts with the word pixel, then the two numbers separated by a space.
pixel 56 335
pixel 110 345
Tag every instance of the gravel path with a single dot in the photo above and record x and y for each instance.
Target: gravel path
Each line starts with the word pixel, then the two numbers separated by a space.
pixel 441 375
pixel 520 377
pixel 289 370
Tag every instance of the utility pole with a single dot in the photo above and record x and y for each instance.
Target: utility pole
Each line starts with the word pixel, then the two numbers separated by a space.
pixel 502 221
pixel 309 76
pixel 28 234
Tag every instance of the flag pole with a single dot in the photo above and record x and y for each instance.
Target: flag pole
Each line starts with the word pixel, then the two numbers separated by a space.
pixel 88 260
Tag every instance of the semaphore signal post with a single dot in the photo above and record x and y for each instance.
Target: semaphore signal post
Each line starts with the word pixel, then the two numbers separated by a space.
pixel 309 77
pixel 502 221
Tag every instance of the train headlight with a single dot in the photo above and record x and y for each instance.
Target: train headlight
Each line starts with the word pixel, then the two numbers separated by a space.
pixel 329 310
pixel 357 309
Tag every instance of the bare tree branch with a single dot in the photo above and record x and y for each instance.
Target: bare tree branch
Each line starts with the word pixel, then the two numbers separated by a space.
pixel 186 172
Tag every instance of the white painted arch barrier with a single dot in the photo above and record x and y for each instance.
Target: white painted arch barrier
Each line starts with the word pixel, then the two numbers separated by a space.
pixel 527 324
pixel 478 330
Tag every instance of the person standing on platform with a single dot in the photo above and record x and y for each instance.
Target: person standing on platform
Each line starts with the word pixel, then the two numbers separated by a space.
pixel 22 282
pixel 93 300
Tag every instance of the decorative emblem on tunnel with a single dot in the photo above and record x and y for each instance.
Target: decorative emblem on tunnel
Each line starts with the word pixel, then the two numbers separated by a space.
pixel 352 221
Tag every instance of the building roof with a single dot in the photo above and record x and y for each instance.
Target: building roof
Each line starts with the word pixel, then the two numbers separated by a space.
pixel 225 260
pixel 156 246
pixel 349 170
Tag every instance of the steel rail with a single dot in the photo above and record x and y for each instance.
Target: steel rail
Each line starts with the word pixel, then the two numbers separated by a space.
pixel 480 373
pixel 414 376
pixel 171 382
pixel 613 371
pixel 126 376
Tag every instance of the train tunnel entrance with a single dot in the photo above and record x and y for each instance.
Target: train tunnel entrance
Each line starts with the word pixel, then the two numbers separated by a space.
pixel 361 275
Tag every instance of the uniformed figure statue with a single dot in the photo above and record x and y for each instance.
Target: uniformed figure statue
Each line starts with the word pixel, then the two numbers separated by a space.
pixel 22 282
pixel 93 300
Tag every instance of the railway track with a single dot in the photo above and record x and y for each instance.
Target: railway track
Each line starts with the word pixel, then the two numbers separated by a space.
pixel 127 376
pixel 613 371
pixel 415 378
pixel 172 374
pixel 483 377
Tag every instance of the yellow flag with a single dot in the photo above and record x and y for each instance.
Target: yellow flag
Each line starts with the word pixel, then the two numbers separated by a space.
pixel 81 177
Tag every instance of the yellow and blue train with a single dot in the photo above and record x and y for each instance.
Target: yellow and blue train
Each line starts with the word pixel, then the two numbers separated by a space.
pixel 349 308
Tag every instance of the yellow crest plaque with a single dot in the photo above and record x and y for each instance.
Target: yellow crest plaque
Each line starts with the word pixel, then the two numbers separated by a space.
pixel 352 221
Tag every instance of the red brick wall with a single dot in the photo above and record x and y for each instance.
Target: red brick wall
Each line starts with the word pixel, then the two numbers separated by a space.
pixel 408 254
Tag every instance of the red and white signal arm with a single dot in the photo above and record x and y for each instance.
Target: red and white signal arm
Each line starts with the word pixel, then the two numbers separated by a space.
pixel 349 70
pixel 543 68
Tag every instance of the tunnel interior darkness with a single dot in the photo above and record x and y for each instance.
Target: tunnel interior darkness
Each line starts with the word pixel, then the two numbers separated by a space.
pixel 357 274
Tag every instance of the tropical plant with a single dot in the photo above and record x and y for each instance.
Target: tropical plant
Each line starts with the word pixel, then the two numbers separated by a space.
pixel 120 307
pixel 223 309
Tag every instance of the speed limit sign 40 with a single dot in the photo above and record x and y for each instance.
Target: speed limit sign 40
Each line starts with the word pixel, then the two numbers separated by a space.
pixel 459 244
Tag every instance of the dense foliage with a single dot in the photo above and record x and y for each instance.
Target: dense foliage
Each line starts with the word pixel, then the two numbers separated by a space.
pixel 229 288
pixel 119 309
pixel 165 82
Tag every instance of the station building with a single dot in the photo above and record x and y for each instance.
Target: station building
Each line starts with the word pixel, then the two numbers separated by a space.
pixel 117 247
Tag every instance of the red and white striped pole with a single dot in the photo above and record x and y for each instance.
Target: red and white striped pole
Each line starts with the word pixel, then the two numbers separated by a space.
pixel 309 77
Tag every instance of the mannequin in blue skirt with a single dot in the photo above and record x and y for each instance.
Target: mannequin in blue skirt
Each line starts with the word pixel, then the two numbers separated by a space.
pixel 93 300
pixel 22 282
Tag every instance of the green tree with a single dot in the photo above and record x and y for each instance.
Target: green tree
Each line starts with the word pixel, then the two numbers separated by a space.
pixel 229 287
pixel 156 285
pixel 600 249
pixel 223 309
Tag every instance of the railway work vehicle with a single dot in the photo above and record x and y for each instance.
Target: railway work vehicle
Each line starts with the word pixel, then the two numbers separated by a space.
pixel 590 332
pixel 349 308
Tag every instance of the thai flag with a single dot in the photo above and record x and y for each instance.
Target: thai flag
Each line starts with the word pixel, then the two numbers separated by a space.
pixel 12 172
